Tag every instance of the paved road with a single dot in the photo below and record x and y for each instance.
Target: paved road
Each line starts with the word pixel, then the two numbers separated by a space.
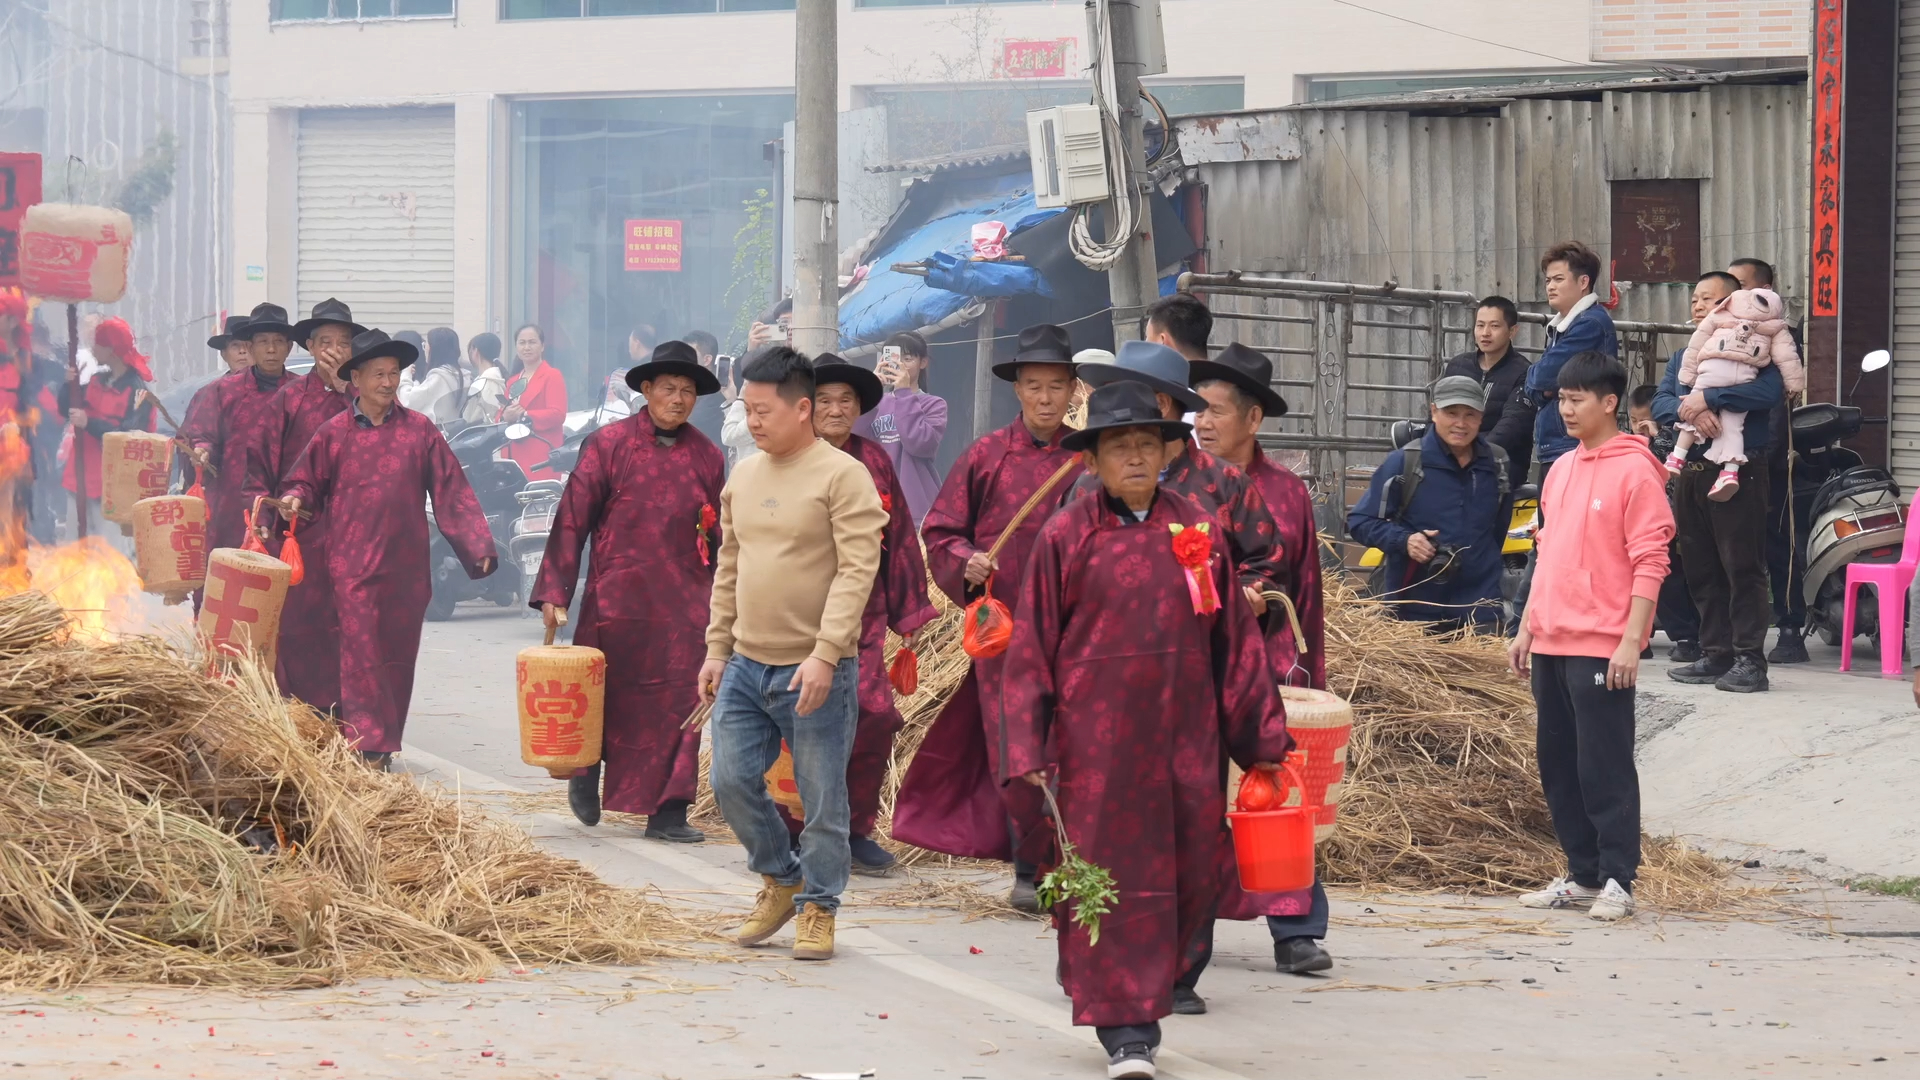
pixel 1429 985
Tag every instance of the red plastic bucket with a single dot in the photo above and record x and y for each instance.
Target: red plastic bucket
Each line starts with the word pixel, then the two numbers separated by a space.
pixel 1274 848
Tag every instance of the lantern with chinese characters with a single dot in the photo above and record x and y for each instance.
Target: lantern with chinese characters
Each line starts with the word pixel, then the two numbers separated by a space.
pixel 170 544
pixel 561 692
pixel 134 466
pixel 1320 724
pixel 245 593
pixel 75 254
pixel 781 785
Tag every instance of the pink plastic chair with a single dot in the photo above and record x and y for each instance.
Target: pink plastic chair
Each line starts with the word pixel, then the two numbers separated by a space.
pixel 1891 581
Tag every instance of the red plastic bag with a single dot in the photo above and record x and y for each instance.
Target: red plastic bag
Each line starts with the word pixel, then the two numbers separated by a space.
pixel 197 490
pixel 1258 792
pixel 904 672
pixel 252 542
pixel 989 627
pixel 290 554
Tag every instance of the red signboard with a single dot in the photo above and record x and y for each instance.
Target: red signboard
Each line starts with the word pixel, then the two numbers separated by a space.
pixel 1049 59
pixel 19 189
pixel 653 245
pixel 1827 50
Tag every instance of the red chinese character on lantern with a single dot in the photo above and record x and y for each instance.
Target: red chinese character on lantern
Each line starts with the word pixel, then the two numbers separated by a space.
pixel 597 671
pixel 153 477
pixel 555 711
pixel 167 513
pixel 189 543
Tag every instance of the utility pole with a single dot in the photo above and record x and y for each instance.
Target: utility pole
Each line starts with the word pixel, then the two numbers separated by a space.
pixel 816 177
pixel 1134 281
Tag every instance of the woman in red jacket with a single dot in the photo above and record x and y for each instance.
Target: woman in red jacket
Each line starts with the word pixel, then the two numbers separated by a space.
pixel 537 394
pixel 105 404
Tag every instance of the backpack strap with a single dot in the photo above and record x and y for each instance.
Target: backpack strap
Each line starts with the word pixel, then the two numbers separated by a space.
pixel 1412 471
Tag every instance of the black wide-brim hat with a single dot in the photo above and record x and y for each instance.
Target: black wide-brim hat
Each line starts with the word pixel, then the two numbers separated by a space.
pixel 1154 365
pixel 324 312
pixel 1126 404
pixel 1246 368
pixel 830 368
pixel 236 324
pixel 373 344
pixel 266 319
pixel 674 358
pixel 1042 343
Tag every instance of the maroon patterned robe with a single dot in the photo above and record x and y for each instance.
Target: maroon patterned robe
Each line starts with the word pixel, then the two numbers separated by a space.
pixel 950 800
pixel 226 425
pixel 899 600
pixel 308 666
pixel 1136 699
pixel 646 599
pixel 374 483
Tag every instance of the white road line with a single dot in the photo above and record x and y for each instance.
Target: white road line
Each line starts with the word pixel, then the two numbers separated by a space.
pixel 863 940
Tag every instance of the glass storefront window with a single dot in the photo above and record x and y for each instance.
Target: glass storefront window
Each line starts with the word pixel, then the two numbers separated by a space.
pixel 673 171
pixel 574 9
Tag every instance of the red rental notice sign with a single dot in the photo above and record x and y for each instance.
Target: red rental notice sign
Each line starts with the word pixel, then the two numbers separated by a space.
pixel 19 189
pixel 653 245
pixel 1047 59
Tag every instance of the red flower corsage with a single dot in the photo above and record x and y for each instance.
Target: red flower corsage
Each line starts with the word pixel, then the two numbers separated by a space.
pixel 1191 549
pixel 886 501
pixel 704 529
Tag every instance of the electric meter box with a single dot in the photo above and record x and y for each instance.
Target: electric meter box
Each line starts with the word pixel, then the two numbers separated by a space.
pixel 1069 152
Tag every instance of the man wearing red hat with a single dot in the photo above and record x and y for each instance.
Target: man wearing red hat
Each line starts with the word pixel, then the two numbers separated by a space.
pixel 372 469
pixel 308 664
pixel 950 801
pixel 222 432
pixel 106 403
pixel 842 393
pixel 646 492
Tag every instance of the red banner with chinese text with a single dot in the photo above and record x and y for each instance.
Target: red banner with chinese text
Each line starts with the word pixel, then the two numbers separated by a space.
pixel 653 245
pixel 1049 59
pixel 1828 52
pixel 19 189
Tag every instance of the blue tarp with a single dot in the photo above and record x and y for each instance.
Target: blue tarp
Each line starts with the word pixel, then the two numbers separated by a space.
pixel 960 274
pixel 889 302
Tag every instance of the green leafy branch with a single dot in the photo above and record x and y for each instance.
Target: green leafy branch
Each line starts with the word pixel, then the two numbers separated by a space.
pixel 752 282
pixel 1089 886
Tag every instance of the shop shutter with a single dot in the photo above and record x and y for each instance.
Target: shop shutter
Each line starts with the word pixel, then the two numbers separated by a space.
pixel 375 198
pixel 1905 436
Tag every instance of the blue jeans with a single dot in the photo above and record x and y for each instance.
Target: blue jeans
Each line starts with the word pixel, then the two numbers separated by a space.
pixel 752 712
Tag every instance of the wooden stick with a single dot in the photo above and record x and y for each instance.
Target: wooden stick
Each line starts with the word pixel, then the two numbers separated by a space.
pixel 149 396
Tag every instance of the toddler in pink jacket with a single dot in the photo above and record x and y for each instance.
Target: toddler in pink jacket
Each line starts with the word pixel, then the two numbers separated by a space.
pixel 1742 334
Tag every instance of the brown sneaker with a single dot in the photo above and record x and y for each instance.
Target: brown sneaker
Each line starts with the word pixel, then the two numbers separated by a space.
pixel 813 938
pixel 771 911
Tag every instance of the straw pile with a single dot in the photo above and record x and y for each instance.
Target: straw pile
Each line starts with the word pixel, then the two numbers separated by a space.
pixel 164 827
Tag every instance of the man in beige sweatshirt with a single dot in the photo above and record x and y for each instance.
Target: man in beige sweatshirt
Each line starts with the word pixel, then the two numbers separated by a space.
pixel 800 527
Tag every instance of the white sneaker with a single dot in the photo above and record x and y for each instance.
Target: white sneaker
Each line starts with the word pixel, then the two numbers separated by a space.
pixel 1613 904
pixel 1564 892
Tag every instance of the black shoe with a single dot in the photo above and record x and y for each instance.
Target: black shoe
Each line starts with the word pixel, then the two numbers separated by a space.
pixel 1791 648
pixel 1646 653
pixel 869 858
pixel 1025 896
pixel 1701 672
pixel 1747 676
pixel 1300 956
pixel 1684 652
pixel 1188 1003
pixel 669 823
pixel 1133 1061
pixel 583 795
pixel 378 761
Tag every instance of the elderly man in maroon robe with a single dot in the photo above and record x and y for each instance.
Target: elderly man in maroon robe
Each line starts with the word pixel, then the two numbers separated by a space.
pixel 308 666
pixel 842 393
pixel 646 492
pixel 950 801
pixel 222 431
pixel 1136 667
pixel 1238 388
pixel 372 469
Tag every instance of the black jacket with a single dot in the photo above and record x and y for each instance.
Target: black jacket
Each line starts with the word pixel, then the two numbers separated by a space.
pixel 1508 421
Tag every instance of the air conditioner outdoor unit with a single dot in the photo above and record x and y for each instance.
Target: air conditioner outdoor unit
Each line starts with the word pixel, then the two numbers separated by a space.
pixel 1069 152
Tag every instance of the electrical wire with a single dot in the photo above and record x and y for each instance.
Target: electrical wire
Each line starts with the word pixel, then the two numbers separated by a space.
pixel 1102 255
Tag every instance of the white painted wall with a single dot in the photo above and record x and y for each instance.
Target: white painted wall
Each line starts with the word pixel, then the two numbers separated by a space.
pixel 476 61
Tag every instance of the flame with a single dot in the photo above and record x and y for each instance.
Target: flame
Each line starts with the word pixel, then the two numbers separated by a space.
pixel 15 458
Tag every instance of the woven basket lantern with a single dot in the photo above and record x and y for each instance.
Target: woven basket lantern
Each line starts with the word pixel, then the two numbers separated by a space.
pixel 170 544
pixel 781 785
pixel 1320 723
pixel 245 594
pixel 561 694
pixel 134 466
pixel 75 254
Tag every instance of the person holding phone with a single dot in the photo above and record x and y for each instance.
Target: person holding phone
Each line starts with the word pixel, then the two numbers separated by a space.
pixel 710 411
pixel 909 422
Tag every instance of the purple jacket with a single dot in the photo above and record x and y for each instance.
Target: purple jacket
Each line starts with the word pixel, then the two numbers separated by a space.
pixel 908 425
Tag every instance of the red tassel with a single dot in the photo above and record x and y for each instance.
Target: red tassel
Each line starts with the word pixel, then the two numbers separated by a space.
pixel 197 490
pixel 252 542
pixel 290 554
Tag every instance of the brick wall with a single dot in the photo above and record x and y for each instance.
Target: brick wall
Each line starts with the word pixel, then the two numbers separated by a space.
pixel 1655 30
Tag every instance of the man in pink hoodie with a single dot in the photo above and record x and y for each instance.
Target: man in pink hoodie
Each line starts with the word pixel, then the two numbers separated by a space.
pixel 1600 557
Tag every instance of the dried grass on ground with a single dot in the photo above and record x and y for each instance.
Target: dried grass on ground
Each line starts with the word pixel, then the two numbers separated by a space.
pixel 131 785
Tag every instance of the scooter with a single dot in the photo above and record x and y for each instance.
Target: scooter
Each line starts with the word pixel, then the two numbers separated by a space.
pixel 1407 434
pixel 495 484
pixel 539 505
pixel 1853 513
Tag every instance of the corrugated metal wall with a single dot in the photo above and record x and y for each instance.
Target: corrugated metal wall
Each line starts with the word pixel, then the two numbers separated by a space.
pixel 1469 203
pixel 114 81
